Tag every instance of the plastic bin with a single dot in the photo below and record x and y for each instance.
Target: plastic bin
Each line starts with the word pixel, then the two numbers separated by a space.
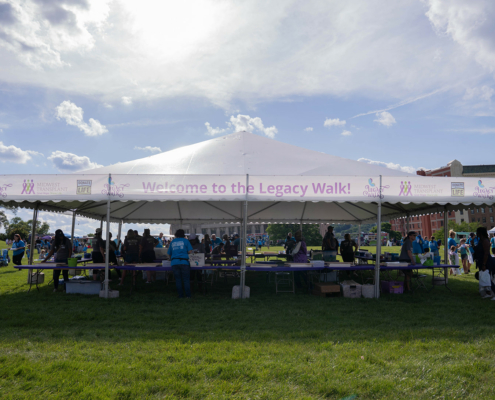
pixel 396 287
pixel 351 289
pixel 83 287
pixel 368 291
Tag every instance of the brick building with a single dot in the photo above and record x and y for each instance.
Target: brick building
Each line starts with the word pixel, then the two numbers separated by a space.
pixel 426 225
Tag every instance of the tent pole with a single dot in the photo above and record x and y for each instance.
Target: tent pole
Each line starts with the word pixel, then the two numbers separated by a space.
pixel 119 234
pixel 107 246
pixel 33 234
pixel 72 228
pixel 378 243
pixel 359 236
pixel 445 236
pixel 244 239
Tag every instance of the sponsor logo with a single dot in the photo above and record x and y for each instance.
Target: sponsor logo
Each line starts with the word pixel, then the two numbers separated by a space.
pixel 405 188
pixel 371 190
pixel 457 189
pixel 3 190
pixel 112 189
pixel 484 192
pixel 28 187
pixel 84 187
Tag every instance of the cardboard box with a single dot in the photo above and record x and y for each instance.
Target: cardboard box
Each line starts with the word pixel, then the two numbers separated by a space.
pixel 323 287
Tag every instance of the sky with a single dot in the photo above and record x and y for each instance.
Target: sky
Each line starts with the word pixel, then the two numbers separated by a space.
pixel 86 83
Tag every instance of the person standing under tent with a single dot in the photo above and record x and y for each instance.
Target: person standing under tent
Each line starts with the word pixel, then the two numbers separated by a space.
pixel 38 244
pixel 179 251
pixel 215 241
pixel 417 246
pixel 112 257
pixel 147 252
pixel 347 248
pixel 406 255
pixel 97 244
pixel 426 243
pixel 492 242
pixel 18 247
pixel 300 255
pixel 160 241
pixel 131 253
pixel 62 248
pixel 330 245
pixel 236 243
pixel 208 244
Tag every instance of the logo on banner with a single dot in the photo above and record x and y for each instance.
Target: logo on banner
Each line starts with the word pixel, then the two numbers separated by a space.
pixel 28 187
pixel 371 190
pixel 457 189
pixel 405 188
pixel 112 189
pixel 84 187
pixel 3 190
pixel 484 192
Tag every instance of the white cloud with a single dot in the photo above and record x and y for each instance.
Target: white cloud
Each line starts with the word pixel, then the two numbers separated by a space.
pixel 470 24
pixel 385 118
pixel 107 105
pixel 346 133
pixel 309 129
pixel 149 148
pixel 333 122
pixel 243 123
pixel 410 170
pixel 126 100
pixel 73 115
pixel 214 131
pixel 15 154
pixel 484 93
pixel 150 49
pixel 71 162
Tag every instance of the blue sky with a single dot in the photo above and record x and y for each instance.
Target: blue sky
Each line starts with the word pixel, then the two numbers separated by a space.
pixel 85 83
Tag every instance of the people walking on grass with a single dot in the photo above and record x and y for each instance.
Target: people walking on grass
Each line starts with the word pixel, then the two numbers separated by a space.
pixel 406 255
pixel 62 248
pixel 465 252
pixel 18 247
pixel 179 251
pixel 482 254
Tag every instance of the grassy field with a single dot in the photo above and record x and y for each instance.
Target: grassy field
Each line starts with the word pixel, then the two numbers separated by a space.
pixel 151 345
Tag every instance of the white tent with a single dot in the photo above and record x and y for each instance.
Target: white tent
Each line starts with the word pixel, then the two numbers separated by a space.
pixel 207 181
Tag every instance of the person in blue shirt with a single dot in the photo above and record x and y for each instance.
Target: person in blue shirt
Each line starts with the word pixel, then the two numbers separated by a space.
pixel 179 251
pixel 417 246
pixel 492 241
pixel 426 243
pixel 18 246
pixel 452 241
pixel 434 247
pixel 215 241
pixel 160 241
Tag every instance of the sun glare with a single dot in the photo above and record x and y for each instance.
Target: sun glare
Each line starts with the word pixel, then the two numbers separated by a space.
pixel 174 29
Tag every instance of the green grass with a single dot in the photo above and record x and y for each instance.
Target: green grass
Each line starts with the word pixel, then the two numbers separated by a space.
pixel 152 345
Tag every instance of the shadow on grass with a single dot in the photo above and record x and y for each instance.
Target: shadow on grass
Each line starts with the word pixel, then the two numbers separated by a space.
pixel 153 312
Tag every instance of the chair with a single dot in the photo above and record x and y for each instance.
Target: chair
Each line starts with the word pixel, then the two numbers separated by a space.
pixel 419 279
pixel 284 278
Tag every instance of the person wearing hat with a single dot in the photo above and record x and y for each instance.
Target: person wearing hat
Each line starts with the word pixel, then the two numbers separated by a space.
pixel 179 251
pixel 98 245
pixel 198 247
pixel 62 248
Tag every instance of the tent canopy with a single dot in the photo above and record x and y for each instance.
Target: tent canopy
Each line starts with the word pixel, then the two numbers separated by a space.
pixel 206 182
